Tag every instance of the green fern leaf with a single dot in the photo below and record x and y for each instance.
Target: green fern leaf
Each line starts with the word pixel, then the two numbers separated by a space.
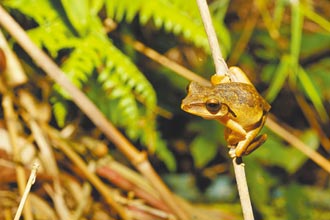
pixel 79 14
pixel 95 65
pixel 170 16
pixel 59 109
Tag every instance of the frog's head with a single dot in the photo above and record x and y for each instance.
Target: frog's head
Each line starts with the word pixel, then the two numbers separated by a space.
pixel 204 101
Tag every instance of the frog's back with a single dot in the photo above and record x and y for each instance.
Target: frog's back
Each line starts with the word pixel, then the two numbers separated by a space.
pixel 243 100
pixel 241 94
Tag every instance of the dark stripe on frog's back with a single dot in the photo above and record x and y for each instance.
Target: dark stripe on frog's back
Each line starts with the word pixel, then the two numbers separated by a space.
pixel 243 93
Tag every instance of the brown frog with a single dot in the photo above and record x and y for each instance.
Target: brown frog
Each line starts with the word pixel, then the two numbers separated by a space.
pixel 234 103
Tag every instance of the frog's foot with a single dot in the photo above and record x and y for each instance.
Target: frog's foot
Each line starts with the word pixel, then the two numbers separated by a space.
pixel 255 144
pixel 246 147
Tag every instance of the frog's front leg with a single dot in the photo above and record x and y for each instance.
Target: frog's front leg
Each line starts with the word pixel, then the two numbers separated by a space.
pixel 237 132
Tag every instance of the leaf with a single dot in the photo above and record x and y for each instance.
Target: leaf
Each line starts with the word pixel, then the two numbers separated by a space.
pixel 221 189
pixel 205 146
pixel 165 155
pixel 96 6
pixel 296 32
pixel 274 153
pixel 176 17
pixel 59 109
pixel 279 12
pixel 311 91
pixel 183 185
pixel 92 62
pixel 261 182
pixel 313 44
pixel 279 78
pixel 78 14
pixel 320 77
pixel 310 138
pixel 313 16
pixel 203 150
pixel 296 203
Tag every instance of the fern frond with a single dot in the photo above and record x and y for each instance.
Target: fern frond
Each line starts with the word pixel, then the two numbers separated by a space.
pixel 170 16
pixel 59 109
pixel 52 33
pixel 94 64
pixel 39 11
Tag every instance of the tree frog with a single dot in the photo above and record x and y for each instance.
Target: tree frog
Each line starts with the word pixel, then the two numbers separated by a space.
pixel 235 103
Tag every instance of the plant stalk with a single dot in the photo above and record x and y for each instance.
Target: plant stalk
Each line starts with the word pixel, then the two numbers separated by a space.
pixel 222 69
pixel 219 63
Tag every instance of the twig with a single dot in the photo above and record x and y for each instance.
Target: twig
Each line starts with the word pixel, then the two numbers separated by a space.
pixel 12 76
pixel 29 184
pixel 137 158
pixel 309 115
pixel 107 193
pixel 163 60
pixel 11 120
pixel 220 64
pixel 242 187
pixel 46 151
pixel 251 21
pixel 222 69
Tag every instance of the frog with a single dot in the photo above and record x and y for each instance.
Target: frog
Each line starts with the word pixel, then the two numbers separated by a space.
pixel 234 102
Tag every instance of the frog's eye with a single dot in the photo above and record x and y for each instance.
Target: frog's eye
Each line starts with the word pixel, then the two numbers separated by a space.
pixel 213 106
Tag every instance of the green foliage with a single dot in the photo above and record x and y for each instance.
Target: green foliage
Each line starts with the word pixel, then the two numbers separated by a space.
pixel 274 153
pixel 205 146
pixel 79 14
pixel 289 66
pixel 176 17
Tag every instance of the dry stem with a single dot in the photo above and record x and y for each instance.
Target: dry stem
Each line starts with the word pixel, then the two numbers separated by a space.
pixel 242 187
pixel 163 60
pixel 222 69
pixel 220 64
pixel 11 120
pixel 29 184
pixel 107 193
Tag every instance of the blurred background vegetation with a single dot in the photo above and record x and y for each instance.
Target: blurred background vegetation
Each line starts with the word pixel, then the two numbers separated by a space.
pixel 283 46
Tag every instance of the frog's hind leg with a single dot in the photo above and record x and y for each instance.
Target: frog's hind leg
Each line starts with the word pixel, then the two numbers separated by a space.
pixel 255 144
pixel 250 143
pixel 237 75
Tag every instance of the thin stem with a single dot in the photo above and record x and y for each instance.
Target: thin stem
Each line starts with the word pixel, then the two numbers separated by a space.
pixel 163 60
pixel 220 64
pixel 29 184
pixel 251 21
pixel 107 193
pixel 222 69
pixel 242 187
pixel 11 123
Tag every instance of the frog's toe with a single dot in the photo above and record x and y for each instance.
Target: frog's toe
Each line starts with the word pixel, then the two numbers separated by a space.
pixel 232 152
